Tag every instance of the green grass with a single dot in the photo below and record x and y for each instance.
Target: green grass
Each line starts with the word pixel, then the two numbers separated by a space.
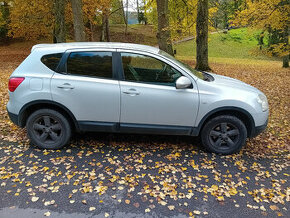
pixel 137 33
pixel 236 44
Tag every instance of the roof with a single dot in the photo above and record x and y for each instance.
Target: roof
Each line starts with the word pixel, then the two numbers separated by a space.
pixel 81 45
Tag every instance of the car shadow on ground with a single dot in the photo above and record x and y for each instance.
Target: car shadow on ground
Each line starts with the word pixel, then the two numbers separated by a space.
pixel 140 141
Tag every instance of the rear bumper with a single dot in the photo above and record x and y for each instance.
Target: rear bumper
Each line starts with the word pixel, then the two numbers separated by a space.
pixel 258 129
pixel 13 117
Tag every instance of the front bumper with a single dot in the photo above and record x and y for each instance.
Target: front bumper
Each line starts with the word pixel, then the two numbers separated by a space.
pixel 258 129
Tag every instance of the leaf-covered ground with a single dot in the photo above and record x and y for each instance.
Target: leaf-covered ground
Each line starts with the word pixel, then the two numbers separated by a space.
pixel 113 175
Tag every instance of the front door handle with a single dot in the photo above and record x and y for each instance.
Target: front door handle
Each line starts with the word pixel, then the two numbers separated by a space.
pixel 65 86
pixel 131 92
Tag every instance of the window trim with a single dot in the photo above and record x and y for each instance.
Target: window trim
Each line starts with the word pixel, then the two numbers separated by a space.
pixel 157 57
pixel 62 67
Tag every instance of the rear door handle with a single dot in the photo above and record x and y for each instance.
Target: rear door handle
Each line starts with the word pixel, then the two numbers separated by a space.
pixel 65 86
pixel 131 92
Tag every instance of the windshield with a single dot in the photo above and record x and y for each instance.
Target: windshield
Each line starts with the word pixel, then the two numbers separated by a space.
pixel 197 73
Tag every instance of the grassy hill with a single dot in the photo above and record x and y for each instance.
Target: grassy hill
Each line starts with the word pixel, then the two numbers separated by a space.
pixel 237 45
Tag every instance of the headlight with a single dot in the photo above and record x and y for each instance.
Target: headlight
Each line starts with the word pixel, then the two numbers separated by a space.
pixel 262 100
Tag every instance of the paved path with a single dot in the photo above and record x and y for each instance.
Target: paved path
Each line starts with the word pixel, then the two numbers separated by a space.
pixel 111 175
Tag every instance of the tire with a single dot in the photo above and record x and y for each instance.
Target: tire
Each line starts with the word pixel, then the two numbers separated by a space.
pixel 224 134
pixel 48 129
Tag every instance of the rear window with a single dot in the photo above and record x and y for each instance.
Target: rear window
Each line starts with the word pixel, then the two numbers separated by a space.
pixel 51 60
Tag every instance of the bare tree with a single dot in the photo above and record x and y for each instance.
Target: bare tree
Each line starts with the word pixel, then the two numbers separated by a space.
pixel 59 33
pixel 202 35
pixel 163 34
pixel 79 27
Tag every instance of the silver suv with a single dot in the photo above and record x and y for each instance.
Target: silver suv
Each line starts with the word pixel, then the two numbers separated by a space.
pixel 129 88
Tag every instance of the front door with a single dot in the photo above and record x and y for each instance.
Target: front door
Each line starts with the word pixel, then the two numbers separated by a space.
pixel 149 96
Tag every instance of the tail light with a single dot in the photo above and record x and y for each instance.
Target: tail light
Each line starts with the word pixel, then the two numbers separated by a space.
pixel 14 82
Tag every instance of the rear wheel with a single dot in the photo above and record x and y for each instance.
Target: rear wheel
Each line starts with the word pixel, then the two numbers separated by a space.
pixel 224 134
pixel 48 129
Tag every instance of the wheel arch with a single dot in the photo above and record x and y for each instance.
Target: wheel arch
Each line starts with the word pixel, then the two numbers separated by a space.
pixel 30 107
pixel 240 113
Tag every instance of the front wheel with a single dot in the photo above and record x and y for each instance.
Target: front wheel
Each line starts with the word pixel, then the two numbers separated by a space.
pixel 224 134
pixel 48 129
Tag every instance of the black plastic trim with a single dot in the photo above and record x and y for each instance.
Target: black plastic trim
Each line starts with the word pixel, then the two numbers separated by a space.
pixel 92 126
pixel 38 102
pixel 197 129
pixel 13 117
pixel 61 68
pixel 117 66
pixel 155 129
pixel 258 130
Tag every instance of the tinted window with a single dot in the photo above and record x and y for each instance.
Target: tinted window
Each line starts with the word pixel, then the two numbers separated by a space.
pixel 51 60
pixel 142 68
pixel 97 64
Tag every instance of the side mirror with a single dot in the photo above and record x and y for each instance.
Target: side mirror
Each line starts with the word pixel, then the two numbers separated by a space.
pixel 183 83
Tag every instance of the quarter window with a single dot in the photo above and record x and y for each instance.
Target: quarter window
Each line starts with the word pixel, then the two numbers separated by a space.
pixel 51 60
pixel 96 64
pixel 142 68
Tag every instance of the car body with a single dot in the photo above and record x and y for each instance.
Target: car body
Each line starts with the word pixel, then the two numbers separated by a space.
pixel 129 88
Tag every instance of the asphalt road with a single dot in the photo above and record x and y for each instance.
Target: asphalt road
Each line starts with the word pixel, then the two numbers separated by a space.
pixel 111 175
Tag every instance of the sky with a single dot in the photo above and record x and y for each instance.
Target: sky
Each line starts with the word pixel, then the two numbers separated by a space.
pixel 132 5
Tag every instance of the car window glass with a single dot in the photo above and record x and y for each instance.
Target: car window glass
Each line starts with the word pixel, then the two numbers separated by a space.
pixel 96 64
pixel 51 60
pixel 142 68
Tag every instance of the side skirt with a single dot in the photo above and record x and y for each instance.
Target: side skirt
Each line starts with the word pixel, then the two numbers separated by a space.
pixel 90 126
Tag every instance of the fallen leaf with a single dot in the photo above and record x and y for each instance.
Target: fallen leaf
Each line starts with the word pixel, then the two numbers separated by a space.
pixel 34 199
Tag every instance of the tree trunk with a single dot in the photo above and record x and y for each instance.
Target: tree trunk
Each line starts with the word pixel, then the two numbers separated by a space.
pixel 202 36
pixel 79 27
pixel 286 41
pixel 107 28
pixel 5 12
pixel 261 40
pixel 123 11
pixel 127 14
pixel 103 27
pixel 163 34
pixel 286 61
pixel 93 28
pixel 138 12
pixel 59 25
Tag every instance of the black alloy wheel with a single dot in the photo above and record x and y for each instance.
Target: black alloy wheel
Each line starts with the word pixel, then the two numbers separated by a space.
pixel 224 134
pixel 48 129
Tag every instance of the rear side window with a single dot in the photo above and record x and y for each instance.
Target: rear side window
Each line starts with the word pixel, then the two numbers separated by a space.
pixel 95 64
pixel 51 60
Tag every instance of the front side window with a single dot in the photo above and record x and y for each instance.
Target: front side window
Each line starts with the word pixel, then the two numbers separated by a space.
pixel 142 68
pixel 95 64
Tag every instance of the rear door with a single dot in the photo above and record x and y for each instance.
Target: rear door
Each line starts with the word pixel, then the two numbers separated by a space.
pixel 89 87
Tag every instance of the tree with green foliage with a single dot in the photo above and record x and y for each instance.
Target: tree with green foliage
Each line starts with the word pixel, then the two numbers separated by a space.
pixel 273 17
